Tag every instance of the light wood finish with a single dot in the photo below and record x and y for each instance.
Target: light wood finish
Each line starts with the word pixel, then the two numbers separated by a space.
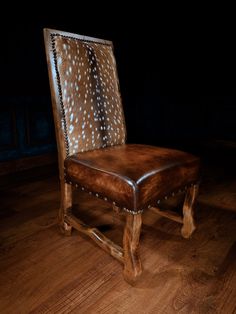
pixel 102 241
pixel 168 214
pixel 42 271
pixel 57 112
pixel 66 204
pixel 132 262
pixel 188 208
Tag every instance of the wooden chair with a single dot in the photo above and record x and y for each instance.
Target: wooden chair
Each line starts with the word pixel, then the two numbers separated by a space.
pixel 93 156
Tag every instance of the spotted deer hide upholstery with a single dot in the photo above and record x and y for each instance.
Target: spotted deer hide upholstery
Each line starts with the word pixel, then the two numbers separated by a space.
pixel 92 114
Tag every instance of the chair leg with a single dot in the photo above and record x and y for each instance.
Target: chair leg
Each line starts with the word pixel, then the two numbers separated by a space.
pixel 66 204
pixel 188 211
pixel 132 262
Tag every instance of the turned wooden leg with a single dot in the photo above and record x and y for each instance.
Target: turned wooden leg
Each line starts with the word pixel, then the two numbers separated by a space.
pixel 66 204
pixel 188 211
pixel 132 263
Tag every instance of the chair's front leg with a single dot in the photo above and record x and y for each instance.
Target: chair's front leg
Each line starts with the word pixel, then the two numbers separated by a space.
pixel 66 204
pixel 188 211
pixel 132 262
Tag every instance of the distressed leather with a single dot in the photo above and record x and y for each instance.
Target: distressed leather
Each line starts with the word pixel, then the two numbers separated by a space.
pixel 133 176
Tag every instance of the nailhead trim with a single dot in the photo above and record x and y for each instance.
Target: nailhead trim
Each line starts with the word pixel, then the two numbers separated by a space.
pixel 60 93
pixel 126 209
pixel 132 211
pixel 82 39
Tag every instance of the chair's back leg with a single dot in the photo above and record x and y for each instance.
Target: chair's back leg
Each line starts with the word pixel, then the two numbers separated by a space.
pixel 132 262
pixel 65 206
pixel 188 211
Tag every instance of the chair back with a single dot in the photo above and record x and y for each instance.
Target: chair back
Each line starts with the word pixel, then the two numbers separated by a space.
pixel 87 108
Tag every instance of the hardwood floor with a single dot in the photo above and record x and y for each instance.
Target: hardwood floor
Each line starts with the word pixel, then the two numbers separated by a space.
pixel 42 271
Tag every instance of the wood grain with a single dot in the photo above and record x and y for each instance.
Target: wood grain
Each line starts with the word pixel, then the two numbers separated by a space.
pixel 12 166
pixel 168 214
pixel 65 207
pixel 101 240
pixel 41 271
pixel 188 211
pixel 132 262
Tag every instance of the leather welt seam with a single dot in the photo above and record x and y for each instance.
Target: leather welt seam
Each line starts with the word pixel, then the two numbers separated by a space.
pixel 163 169
pixel 125 178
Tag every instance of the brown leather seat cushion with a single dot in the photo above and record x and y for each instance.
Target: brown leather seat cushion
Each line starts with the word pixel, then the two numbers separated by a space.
pixel 133 176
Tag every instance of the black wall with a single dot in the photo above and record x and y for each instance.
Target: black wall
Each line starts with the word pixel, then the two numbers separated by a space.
pixel 177 75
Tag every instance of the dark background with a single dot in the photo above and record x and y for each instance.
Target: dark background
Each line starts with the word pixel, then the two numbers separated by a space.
pixel 177 74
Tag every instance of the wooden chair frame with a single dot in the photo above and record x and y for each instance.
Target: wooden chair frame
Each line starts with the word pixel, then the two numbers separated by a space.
pixel 129 254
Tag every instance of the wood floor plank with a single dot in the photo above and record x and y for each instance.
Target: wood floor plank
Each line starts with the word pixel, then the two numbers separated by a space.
pixel 41 271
